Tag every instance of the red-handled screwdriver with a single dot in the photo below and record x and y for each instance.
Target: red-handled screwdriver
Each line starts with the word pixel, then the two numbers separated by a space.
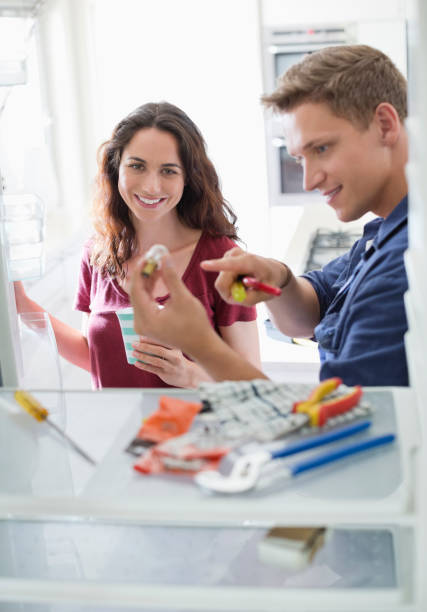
pixel 253 283
pixel 238 288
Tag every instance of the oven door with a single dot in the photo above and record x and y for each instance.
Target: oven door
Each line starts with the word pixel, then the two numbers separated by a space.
pixel 290 172
pixel 285 174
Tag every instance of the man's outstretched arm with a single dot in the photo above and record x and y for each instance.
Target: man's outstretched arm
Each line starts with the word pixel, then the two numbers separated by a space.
pixel 295 312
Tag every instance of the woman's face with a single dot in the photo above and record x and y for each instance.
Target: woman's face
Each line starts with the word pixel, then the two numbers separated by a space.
pixel 151 175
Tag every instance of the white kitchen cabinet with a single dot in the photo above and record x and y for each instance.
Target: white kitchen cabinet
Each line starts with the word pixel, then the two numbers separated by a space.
pixel 110 538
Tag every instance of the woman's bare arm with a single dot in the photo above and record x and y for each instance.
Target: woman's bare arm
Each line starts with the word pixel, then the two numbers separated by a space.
pixel 72 344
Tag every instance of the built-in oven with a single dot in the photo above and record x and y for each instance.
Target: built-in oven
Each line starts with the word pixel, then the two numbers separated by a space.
pixel 284 47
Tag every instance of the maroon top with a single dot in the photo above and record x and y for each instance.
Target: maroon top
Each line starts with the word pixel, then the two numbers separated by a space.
pixel 101 296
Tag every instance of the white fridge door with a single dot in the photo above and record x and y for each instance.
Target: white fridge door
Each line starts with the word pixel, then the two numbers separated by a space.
pixel 10 355
pixel 28 352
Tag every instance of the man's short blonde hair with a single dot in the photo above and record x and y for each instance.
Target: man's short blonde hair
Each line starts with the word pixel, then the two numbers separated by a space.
pixel 351 79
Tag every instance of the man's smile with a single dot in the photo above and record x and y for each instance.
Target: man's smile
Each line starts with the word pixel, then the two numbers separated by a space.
pixel 330 195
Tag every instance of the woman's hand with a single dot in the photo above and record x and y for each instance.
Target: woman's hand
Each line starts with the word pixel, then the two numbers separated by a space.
pixel 22 301
pixel 167 363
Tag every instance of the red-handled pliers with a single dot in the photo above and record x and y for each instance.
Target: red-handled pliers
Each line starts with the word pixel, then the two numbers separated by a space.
pixel 320 409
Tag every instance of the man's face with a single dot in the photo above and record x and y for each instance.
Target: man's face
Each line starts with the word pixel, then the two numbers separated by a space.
pixel 349 165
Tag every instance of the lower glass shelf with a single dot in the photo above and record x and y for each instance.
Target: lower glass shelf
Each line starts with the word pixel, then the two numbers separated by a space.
pixel 105 560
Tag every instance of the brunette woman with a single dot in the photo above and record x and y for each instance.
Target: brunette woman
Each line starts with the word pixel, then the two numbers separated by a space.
pixel 155 185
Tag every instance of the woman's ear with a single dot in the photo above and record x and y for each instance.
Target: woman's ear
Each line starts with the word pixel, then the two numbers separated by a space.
pixel 388 122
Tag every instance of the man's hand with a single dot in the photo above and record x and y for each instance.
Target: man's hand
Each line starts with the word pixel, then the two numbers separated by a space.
pixel 181 323
pixel 237 262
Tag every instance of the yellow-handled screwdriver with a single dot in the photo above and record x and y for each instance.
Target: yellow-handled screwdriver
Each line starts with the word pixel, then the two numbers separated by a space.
pixel 38 412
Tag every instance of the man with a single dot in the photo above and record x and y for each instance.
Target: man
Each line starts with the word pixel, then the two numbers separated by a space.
pixel 343 112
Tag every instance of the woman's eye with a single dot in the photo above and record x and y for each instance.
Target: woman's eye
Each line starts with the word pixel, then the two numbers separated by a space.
pixel 135 166
pixel 168 171
pixel 321 148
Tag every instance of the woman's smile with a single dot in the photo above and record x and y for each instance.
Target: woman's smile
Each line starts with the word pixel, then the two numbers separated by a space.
pixel 149 202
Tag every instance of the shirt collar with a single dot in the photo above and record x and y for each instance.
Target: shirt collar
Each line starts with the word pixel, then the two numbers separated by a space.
pixel 370 229
pixel 397 217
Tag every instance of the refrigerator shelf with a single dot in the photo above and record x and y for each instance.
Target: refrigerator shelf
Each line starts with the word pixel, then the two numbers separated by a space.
pixel 371 487
pixel 108 565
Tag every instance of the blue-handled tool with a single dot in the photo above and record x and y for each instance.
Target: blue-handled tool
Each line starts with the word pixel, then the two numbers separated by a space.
pixel 340 453
pixel 247 468
pixel 313 441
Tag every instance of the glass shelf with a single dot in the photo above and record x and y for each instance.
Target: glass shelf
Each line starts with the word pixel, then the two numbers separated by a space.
pixel 355 563
pixel 22 220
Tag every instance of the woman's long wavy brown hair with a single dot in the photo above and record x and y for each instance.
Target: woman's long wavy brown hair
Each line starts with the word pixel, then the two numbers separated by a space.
pixel 202 205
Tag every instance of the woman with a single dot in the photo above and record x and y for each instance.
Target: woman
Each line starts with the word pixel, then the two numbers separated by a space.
pixel 155 184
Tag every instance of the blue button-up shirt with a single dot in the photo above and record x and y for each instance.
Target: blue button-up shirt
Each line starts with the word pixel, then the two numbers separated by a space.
pixel 363 319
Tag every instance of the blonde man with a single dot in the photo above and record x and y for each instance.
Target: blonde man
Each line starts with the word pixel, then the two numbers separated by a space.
pixel 343 112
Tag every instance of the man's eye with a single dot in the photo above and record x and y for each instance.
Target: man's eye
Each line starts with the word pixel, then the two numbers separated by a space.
pixel 321 148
